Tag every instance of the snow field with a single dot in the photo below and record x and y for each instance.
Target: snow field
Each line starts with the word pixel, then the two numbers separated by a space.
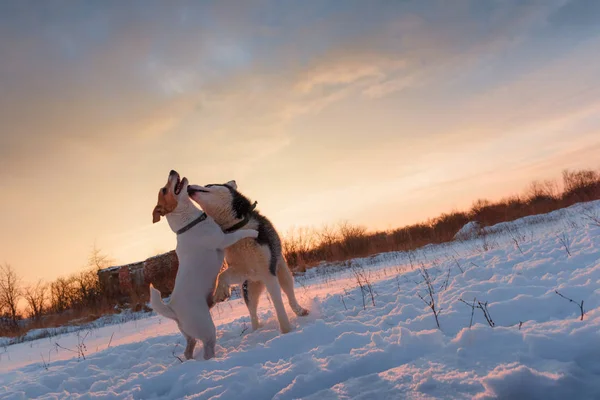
pixel 349 348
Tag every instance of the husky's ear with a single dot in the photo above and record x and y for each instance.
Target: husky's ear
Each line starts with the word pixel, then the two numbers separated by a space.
pixel 157 213
pixel 232 184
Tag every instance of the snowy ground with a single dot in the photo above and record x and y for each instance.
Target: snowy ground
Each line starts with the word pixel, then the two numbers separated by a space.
pixel 538 349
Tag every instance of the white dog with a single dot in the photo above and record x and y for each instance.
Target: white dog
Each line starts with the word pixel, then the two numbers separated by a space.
pixel 200 250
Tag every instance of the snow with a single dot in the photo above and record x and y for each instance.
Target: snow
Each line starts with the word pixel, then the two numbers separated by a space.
pixel 538 349
pixel 469 231
pixel 35 334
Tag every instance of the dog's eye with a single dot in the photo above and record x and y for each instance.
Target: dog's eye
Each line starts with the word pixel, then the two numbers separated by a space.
pixel 164 190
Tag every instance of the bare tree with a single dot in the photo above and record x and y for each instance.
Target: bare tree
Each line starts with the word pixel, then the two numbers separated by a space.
pixel 353 239
pixel 98 259
pixel 35 296
pixel 60 295
pixel 87 288
pixel 10 292
pixel 328 239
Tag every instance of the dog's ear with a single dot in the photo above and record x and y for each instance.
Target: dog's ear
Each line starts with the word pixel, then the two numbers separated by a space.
pixel 232 184
pixel 157 213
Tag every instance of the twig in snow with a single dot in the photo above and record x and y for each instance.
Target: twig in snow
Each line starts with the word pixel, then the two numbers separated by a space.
pixel 458 265
pixel 566 242
pixel 483 308
pixel 244 330
pixel 445 283
pixel 573 301
pixel 343 302
pixel 431 294
pixel 591 214
pixel 364 284
pixel 81 347
pixel 58 346
pixel 177 357
pixel 472 305
pixel 411 259
pixel 486 313
pixel 44 363
pixel 110 341
pixel 173 352
pixel 517 244
pixel 485 242
pixel 517 237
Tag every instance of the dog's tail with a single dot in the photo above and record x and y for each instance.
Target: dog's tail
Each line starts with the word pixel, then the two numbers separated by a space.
pixel 159 306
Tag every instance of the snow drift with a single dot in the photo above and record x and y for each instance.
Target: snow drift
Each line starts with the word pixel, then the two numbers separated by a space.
pixel 378 341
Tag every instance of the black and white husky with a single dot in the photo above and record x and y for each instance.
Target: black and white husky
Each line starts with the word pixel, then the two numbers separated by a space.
pixel 253 263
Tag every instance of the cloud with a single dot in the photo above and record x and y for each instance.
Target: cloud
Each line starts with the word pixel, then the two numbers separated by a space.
pixel 218 67
pixel 346 70
pixel 97 72
pixel 390 86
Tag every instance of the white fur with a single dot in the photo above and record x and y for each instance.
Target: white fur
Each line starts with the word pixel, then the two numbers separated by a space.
pixel 200 251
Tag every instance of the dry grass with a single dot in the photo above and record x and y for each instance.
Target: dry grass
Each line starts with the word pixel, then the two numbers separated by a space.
pixel 307 247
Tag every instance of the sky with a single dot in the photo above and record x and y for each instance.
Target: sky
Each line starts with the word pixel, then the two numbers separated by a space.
pixel 381 113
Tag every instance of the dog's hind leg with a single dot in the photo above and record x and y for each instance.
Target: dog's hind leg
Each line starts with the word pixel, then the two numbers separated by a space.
pixel 209 347
pixel 190 345
pixel 189 348
pixel 205 331
pixel 209 339
pixel 252 291
pixel 275 292
pixel 286 280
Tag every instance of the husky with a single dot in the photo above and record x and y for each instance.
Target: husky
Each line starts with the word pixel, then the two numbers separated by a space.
pixel 253 263
pixel 200 250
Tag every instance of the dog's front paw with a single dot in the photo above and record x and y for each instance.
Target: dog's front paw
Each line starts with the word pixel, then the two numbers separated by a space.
pixel 252 233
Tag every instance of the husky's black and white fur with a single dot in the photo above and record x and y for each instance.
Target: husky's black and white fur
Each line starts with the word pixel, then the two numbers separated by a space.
pixel 253 263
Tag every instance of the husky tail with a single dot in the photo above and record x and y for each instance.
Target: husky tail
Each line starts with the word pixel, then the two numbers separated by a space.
pixel 159 306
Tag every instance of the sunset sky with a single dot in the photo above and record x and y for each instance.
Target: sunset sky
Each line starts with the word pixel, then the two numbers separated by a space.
pixel 380 113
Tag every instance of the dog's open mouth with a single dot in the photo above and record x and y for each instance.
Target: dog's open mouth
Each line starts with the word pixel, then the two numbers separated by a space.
pixel 179 185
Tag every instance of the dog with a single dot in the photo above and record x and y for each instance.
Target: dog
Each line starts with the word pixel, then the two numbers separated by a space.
pixel 254 263
pixel 200 250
